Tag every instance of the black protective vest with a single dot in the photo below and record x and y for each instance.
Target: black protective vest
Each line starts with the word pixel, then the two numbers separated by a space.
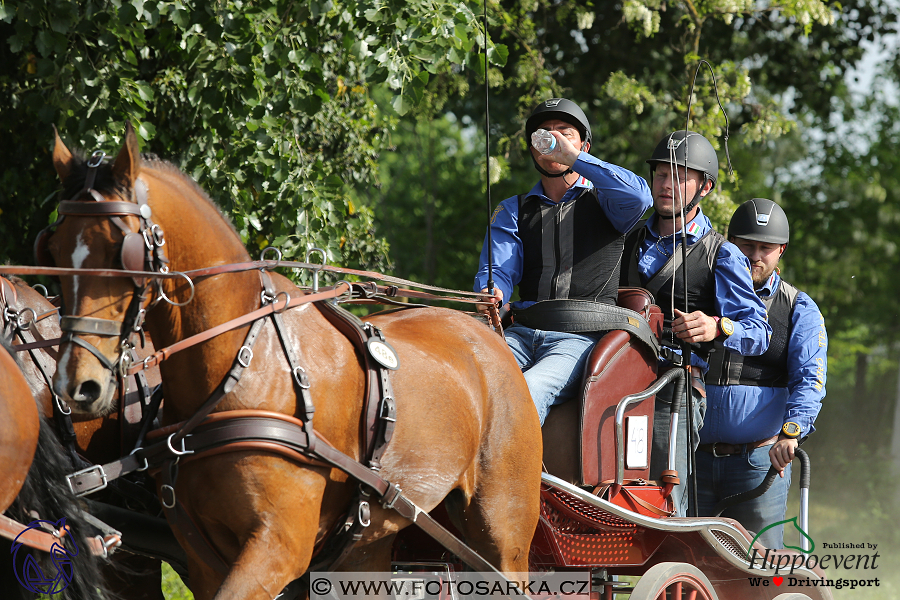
pixel 769 369
pixel 571 250
pixel 701 262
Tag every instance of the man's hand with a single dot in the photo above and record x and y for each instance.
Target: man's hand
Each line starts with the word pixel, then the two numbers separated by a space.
pixel 694 327
pixel 565 153
pixel 782 453
pixel 497 299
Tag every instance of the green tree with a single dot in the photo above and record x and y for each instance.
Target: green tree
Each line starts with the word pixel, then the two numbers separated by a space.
pixel 266 104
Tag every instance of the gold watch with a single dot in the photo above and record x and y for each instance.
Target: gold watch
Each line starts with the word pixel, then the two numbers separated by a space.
pixel 726 327
pixel 791 430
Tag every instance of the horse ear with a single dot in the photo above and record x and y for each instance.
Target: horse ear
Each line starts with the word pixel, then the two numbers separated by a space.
pixel 62 158
pixel 127 163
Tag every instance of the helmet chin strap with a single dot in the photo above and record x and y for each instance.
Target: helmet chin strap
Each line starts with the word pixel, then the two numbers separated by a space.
pixel 545 173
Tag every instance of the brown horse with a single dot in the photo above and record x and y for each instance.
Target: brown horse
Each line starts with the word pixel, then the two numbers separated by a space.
pixel 466 430
pixel 129 577
pixel 19 426
pixel 32 469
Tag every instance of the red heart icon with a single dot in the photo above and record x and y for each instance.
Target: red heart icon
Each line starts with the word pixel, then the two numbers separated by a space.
pixel 778 580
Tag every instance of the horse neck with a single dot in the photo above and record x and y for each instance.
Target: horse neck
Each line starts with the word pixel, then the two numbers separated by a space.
pixel 198 236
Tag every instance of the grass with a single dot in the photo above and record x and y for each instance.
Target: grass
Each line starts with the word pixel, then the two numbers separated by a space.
pixel 172 586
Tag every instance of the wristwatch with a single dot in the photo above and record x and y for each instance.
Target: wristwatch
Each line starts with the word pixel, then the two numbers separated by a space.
pixel 725 327
pixel 791 430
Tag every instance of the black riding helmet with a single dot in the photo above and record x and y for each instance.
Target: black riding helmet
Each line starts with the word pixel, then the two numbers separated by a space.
pixel 564 110
pixel 760 220
pixel 697 153
pixel 690 150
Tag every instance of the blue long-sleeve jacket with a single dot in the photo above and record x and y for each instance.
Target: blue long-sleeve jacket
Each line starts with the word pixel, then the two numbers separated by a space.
pixel 740 414
pixel 623 196
pixel 735 297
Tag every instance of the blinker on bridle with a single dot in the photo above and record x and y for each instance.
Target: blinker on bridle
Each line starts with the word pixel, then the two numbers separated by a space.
pixel 141 250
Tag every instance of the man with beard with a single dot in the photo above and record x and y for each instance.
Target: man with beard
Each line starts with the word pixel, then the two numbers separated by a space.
pixel 761 407
pixel 684 168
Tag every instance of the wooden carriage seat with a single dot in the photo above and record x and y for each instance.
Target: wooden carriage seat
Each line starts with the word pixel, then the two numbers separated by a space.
pixel 579 436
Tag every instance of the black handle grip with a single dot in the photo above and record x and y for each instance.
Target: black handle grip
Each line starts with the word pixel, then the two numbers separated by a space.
pixel 766 484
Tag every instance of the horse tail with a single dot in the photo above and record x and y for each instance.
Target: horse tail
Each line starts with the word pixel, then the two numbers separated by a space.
pixel 46 493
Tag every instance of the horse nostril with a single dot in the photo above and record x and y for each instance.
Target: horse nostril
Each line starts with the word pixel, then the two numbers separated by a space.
pixel 87 391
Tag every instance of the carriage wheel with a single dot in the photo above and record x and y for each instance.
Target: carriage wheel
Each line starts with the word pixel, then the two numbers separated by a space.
pixel 673 581
pixel 792 596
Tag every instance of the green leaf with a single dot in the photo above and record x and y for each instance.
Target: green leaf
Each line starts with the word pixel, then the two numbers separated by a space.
pixel 15 44
pixel 146 130
pixel 7 12
pixel 144 91
pixel 181 18
pixel 498 54
pixel 401 105
pixel 456 57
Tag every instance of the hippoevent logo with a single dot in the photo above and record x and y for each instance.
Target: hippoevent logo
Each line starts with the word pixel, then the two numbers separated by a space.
pixel 29 571
pixel 785 564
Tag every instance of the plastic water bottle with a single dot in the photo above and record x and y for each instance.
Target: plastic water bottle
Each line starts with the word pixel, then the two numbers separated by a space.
pixel 543 141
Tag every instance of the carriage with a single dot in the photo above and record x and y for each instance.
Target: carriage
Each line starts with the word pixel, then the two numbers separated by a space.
pixel 383 452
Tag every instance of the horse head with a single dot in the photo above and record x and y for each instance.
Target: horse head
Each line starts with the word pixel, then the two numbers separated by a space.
pixel 105 223
pixel 132 213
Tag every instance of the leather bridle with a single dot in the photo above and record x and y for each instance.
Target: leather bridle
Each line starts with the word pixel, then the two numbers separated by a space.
pixel 142 250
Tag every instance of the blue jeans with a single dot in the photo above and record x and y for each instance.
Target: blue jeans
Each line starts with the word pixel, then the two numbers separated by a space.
pixel 659 453
pixel 552 362
pixel 721 477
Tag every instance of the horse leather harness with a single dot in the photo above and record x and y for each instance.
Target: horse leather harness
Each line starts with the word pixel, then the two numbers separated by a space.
pixel 205 434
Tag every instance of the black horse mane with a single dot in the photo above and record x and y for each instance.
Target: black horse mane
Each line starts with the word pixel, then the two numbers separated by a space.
pixel 46 493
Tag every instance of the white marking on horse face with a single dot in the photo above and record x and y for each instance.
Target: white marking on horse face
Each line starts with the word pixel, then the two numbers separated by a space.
pixel 61 381
pixel 78 257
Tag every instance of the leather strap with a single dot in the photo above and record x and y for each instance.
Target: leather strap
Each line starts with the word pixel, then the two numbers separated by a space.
pixel 601 489
pixel 90 326
pixel 583 316
pixel 161 355
pixel 106 208
pixel 375 404
pixel 723 449
pixel 44 540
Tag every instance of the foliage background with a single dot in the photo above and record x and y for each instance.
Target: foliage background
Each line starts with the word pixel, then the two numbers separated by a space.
pixel 358 126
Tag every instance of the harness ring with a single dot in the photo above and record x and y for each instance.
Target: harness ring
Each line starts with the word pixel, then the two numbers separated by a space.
pixel 287 300
pixel 146 464
pixel 167 489
pixel 61 405
pixel 166 298
pixel 262 255
pixel 299 374
pixel 25 323
pixel 245 362
pixel 183 451
pixel 364 514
